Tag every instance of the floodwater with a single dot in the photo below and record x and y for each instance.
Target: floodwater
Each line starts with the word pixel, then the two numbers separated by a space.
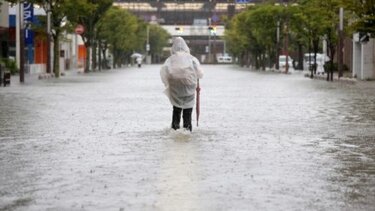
pixel 265 141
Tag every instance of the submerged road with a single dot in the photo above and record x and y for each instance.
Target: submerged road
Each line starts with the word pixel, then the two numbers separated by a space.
pixel 265 141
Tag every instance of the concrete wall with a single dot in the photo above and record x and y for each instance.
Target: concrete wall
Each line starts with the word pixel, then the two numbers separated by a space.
pixel 368 60
pixel 363 59
pixel 4 14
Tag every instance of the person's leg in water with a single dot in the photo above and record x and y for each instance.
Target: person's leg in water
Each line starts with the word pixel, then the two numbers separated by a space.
pixel 186 115
pixel 176 117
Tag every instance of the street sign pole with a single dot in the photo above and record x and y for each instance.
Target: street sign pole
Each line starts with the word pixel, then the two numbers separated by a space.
pixel 21 43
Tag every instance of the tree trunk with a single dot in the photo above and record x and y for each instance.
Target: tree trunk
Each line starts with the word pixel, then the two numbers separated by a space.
pixel 300 57
pixel 316 49
pixel 114 64
pixel 332 51
pixel 309 66
pixel 257 62
pixel 56 54
pixel 248 59
pixel 263 56
pixel 100 56
pixel 243 59
pixel 88 52
pixel 94 59
pixel 105 62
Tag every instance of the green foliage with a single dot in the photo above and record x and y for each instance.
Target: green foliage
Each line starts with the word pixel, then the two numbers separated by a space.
pixel 127 34
pixel 305 22
pixel 119 28
pixel 88 13
pixel 158 39
pixel 236 36
pixel 254 31
pixel 329 66
pixel 10 65
pixel 363 19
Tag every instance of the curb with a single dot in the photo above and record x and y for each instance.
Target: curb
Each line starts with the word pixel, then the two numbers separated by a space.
pixel 46 75
pixel 335 79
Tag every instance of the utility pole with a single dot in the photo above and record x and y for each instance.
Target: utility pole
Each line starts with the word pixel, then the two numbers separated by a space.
pixel 277 45
pixel 287 38
pixel 148 59
pixel 21 42
pixel 286 46
pixel 341 43
pixel 209 41
pixel 48 65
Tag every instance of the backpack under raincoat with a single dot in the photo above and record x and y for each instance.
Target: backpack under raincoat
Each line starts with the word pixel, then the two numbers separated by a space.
pixel 180 74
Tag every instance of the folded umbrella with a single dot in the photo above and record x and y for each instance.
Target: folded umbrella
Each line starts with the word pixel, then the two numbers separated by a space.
pixel 198 102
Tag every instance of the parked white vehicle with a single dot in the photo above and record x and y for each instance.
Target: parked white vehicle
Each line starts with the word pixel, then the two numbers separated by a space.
pixel 224 59
pixel 282 62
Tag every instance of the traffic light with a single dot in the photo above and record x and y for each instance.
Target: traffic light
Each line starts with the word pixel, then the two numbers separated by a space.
pixel 179 29
pixel 364 37
pixel 212 29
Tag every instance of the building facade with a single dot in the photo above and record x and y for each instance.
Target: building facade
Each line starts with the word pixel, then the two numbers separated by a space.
pixel 363 58
pixel 4 29
pixel 200 23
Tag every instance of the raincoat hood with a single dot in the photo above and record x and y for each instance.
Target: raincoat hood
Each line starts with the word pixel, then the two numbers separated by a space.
pixel 179 45
pixel 179 74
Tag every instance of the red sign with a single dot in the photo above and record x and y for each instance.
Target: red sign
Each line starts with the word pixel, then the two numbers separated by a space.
pixel 79 29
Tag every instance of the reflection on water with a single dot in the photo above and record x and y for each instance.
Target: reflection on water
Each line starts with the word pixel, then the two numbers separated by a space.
pixel 179 172
pixel 355 176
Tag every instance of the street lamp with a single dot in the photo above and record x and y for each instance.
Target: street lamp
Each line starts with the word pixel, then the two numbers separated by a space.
pixel 212 31
pixel 209 41
pixel 286 40
pixel 277 45
pixel 48 32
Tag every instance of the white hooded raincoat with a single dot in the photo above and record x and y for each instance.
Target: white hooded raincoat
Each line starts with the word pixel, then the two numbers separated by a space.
pixel 180 74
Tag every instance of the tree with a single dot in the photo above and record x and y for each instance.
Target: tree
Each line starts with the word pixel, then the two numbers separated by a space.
pixel 252 34
pixel 158 40
pixel 263 24
pixel 119 28
pixel 236 37
pixel 311 21
pixel 88 13
pixel 299 33
pixel 364 19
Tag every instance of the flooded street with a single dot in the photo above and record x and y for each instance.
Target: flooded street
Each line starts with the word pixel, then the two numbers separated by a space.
pixel 265 141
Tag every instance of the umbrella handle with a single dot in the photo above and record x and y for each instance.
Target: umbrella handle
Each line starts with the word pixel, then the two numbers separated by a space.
pixel 198 89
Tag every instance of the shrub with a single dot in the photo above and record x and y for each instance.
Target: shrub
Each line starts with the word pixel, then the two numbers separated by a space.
pixel 327 67
pixel 10 65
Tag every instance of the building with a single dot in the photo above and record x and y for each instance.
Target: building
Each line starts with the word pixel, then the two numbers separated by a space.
pixel 363 57
pixel 200 23
pixel 36 44
pixel 4 29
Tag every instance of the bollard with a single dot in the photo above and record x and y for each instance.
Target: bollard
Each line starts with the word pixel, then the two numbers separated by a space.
pixel 6 79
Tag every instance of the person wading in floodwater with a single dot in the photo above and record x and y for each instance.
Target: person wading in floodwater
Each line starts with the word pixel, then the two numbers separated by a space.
pixel 180 74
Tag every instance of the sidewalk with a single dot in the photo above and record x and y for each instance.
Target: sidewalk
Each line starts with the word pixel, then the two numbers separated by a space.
pixel 307 74
pixel 38 77
pixel 336 78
